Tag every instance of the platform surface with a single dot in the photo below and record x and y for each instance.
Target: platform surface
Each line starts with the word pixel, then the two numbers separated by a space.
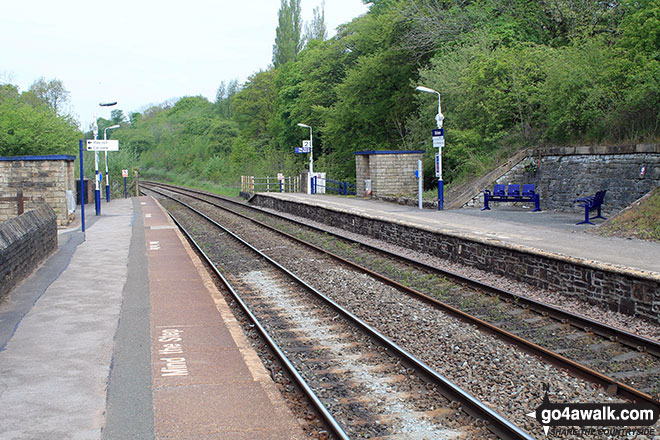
pixel 121 334
pixel 545 231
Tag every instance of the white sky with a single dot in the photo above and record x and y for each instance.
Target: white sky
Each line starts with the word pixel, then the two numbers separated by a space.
pixel 141 52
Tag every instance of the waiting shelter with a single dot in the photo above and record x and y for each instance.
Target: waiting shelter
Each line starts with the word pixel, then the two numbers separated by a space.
pixel 28 181
pixel 386 172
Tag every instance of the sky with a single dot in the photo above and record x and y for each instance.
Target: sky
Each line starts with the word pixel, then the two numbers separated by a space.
pixel 143 52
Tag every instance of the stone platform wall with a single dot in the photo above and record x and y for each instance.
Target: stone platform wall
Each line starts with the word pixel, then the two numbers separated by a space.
pixel 25 241
pixel 626 291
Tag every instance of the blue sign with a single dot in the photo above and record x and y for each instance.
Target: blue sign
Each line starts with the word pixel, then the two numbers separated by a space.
pixel 303 150
pixel 438 132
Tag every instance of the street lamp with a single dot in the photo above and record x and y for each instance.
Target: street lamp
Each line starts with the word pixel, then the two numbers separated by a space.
pixel 440 140
pixel 311 157
pixel 97 189
pixel 107 174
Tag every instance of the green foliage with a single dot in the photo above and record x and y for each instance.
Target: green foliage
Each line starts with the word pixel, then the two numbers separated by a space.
pixel 511 74
pixel 288 40
pixel 29 125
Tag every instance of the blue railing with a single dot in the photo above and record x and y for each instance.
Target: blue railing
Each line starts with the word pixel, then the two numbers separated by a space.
pixel 335 186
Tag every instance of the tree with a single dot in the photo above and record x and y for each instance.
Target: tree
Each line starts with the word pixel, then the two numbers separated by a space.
pixel 51 93
pixel 224 96
pixel 316 30
pixel 117 117
pixel 288 33
pixel 28 130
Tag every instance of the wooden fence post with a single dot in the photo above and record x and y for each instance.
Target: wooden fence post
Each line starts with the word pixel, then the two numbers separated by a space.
pixel 20 203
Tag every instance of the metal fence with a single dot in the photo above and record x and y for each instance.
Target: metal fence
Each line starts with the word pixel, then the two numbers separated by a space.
pixel 335 187
pixel 252 184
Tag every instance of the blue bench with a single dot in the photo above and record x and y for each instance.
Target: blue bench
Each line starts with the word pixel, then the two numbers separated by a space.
pixel 590 203
pixel 512 194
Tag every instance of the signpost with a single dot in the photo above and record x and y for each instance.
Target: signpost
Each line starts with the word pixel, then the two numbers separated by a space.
pixel 124 174
pixel 102 145
pixel 305 149
pixel 439 142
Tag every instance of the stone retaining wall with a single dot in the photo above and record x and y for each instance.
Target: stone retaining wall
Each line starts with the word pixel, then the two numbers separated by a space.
pixel 25 241
pixel 562 174
pixel 626 291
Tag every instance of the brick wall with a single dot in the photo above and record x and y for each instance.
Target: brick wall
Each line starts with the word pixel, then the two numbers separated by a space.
pixel 25 241
pixel 626 291
pixel 391 172
pixel 42 179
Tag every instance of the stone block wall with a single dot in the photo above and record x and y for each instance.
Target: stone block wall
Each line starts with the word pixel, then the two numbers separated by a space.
pixel 25 241
pixel 42 179
pixel 391 172
pixel 562 174
pixel 626 291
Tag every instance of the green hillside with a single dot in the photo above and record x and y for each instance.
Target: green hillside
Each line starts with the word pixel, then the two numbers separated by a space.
pixel 511 74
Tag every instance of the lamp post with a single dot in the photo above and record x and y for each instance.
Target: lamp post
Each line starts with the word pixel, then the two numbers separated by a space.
pixel 97 191
pixel 440 142
pixel 107 174
pixel 311 157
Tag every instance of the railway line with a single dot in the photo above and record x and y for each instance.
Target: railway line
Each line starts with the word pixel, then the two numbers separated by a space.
pixel 537 322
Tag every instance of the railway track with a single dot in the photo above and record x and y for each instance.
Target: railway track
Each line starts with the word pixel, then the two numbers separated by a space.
pixel 362 383
pixel 625 364
pixel 551 321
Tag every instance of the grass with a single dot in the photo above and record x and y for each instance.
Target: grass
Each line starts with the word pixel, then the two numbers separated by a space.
pixel 641 220
pixel 189 181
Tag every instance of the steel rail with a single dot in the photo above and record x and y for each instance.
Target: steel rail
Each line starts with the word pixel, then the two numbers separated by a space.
pixel 300 381
pixel 610 384
pixel 634 341
pixel 495 422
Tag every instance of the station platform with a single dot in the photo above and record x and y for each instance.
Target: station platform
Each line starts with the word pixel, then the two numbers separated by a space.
pixel 121 334
pixel 546 231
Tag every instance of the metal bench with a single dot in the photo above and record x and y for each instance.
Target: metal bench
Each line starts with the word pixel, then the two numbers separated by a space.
pixel 513 194
pixel 589 203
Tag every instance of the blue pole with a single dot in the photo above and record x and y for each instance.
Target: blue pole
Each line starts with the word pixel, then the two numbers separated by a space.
pixel 125 192
pixel 441 195
pixel 82 187
pixel 97 191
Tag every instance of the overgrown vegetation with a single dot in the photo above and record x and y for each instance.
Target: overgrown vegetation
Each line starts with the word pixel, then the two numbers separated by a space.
pixel 511 73
pixel 642 220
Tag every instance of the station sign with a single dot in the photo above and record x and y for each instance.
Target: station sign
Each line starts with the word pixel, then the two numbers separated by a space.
pixel 102 145
pixel 438 138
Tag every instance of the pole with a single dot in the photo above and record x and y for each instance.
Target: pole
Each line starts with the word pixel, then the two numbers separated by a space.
pixel 419 182
pixel 311 157
pixel 97 189
pixel 82 189
pixel 125 190
pixel 107 179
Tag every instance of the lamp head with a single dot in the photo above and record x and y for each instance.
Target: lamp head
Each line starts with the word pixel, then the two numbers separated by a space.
pixel 426 89
pixel 107 104
pixel 303 125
